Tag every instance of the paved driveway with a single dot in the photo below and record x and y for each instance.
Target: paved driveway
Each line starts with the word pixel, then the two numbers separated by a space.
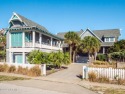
pixel 70 74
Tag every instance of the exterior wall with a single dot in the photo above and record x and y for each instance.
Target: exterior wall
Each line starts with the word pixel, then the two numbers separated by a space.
pixel 87 33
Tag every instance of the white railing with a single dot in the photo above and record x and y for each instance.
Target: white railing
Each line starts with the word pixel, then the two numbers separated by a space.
pixel 43 45
pixel 38 45
pixel 28 44
pixel 110 73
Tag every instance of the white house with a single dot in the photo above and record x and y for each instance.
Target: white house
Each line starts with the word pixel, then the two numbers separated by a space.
pixel 24 35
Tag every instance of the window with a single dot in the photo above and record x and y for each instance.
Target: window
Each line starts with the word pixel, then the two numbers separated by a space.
pixel 106 39
pixel 109 39
pixel 16 39
pixel 112 39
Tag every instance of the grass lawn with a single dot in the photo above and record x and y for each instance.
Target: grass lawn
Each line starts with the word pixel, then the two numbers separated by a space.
pixel 11 78
pixel 107 90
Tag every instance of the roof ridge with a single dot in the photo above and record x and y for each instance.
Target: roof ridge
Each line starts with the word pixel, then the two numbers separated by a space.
pixel 37 25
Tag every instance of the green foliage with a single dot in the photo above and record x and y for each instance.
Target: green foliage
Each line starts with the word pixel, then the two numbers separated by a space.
pixel 37 57
pixel 58 58
pixel 54 58
pixel 118 46
pixel 66 60
pixel 102 57
pixel 90 44
pixel 11 78
pixel 73 39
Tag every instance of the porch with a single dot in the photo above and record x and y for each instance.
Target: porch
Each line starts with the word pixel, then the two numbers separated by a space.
pixel 33 39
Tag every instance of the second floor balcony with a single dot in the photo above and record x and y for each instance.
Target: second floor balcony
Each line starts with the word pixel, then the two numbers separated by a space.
pixel 33 40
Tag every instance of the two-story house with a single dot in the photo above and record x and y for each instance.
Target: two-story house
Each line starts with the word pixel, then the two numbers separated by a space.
pixel 24 35
pixel 106 37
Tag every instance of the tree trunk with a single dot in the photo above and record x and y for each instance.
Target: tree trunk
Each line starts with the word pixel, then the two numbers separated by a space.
pixel 70 47
pixel 116 64
pixel 89 56
pixel 74 54
pixel 95 55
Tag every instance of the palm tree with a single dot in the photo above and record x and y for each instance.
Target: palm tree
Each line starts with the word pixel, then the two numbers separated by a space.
pixel 72 39
pixel 90 45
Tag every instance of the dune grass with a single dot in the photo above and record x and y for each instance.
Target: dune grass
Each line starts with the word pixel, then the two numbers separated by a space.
pixel 11 78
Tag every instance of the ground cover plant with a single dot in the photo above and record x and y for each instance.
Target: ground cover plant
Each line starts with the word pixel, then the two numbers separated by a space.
pixel 11 78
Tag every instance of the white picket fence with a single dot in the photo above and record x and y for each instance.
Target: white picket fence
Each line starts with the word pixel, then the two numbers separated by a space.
pixel 110 73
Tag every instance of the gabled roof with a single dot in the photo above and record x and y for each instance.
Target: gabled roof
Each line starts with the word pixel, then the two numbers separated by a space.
pixel 29 25
pixel 92 34
pixel 61 34
pixel 28 22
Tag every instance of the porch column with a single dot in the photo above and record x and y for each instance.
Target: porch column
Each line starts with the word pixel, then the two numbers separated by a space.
pixel 23 39
pixel 33 38
pixel 9 39
pixel 40 40
pixel 103 50
pixel 59 44
pixel 23 57
pixel 10 57
pixel 51 41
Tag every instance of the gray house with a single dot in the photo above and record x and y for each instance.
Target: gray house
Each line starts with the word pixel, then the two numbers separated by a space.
pixel 106 37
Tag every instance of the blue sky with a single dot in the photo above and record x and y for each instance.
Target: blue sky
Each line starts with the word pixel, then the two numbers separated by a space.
pixel 64 15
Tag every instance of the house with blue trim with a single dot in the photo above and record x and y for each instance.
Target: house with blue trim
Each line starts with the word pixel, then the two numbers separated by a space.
pixel 24 35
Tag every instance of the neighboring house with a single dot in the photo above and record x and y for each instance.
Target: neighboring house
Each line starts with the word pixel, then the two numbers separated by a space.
pixel 24 35
pixel 106 37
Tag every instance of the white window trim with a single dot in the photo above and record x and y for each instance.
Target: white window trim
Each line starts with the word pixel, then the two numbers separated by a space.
pixel 110 39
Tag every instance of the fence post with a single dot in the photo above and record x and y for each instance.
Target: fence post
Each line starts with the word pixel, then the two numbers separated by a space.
pixel 83 75
pixel 43 69
pixel 85 72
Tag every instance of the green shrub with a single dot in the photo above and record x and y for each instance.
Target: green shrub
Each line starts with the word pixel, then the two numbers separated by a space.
pixel 92 76
pixel 22 70
pixel 12 69
pixel 34 71
pixel 102 57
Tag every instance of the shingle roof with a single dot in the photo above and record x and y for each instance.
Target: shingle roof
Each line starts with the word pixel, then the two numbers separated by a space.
pixel 100 34
pixel 107 43
pixel 31 23
pixel 107 33
pixel 61 34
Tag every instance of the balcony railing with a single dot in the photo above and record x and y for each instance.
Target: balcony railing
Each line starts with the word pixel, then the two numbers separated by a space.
pixel 28 44
pixel 43 45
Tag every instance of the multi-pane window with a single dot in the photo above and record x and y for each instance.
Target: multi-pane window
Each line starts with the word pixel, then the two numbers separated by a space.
pixel 109 39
